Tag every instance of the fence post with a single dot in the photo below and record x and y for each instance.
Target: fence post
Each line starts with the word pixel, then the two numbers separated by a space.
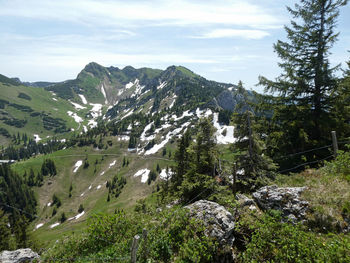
pixel 145 242
pixel 134 247
pixel 335 143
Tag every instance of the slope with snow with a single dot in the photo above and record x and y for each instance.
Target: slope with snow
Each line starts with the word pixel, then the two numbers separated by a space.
pixel 77 165
pixel 144 174
pixel 83 99
pixel 228 137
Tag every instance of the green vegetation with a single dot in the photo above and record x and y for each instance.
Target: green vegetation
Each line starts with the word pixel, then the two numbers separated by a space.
pixel 172 235
pixel 17 209
pixel 273 241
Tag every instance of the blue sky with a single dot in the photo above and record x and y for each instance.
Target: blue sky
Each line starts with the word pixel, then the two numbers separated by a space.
pixel 222 40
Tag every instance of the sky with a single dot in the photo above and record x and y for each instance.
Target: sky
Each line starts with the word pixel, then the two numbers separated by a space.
pixel 221 40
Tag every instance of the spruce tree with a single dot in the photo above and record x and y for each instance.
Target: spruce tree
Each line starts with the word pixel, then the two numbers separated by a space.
pixel 302 111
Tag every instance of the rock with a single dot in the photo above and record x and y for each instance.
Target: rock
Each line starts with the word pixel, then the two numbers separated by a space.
pixel 219 222
pixel 244 200
pixel 19 255
pixel 285 199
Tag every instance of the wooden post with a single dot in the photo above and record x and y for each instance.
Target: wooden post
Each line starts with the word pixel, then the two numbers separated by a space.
pixel 335 143
pixel 234 179
pixel 134 247
pixel 145 242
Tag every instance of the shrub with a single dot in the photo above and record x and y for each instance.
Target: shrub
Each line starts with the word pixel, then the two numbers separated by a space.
pixel 273 241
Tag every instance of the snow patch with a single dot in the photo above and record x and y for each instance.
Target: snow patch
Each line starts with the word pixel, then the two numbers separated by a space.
pixel 143 134
pixel 184 114
pixel 84 128
pixel 77 165
pixel 102 173
pixel 48 204
pixel 157 147
pixel 90 187
pixel 39 225
pixel 37 138
pixel 83 99
pixel 202 113
pixel 98 187
pixel 144 175
pixel 128 114
pixel 112 163
pixel 123 138
pixel 92 123
pixel 77 106
pixel 104 93
pixel 129 85
pixel 162 85
pixel 77 216
pixel 54 225
pixel 165 175
pixel 96 110
pixel 228 137
pixel 74 116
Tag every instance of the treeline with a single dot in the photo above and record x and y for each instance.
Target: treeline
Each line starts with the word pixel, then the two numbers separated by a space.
pixel 29 148
pixel 17 209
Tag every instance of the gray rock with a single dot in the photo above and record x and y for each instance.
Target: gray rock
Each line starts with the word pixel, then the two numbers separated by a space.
pixel 219 222
pixel 19 255
pixel 285 199
pixel 244 200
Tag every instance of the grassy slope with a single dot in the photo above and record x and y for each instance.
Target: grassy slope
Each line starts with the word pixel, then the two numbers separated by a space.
pixel 93 200
pixel 42 101
pixel 326 193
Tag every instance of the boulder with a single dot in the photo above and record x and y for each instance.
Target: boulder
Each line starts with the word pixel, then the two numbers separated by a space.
pixel 218 221
pixel 284 199
pixel 244 201
pixel 19 255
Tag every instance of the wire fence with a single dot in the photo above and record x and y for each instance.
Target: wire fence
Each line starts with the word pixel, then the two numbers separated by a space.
pixel 107 259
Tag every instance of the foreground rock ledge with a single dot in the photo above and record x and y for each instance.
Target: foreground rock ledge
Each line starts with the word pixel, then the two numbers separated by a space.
pixel 19 255
pixel 218 221
pixel 285 199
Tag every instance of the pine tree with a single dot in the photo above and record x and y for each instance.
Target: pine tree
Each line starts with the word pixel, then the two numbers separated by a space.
pixel 31 178
pixel 63 217
pixel 302 112
pixel 198 182
pixel 5 232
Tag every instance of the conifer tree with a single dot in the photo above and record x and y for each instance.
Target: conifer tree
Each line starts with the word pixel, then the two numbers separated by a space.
pixel 198 181
pixel 302 110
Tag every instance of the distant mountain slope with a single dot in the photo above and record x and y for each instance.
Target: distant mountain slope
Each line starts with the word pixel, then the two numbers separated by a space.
pixel 31 111
pixel 173 98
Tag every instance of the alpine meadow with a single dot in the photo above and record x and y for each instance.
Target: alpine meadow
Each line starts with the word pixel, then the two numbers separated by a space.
pixel 155 162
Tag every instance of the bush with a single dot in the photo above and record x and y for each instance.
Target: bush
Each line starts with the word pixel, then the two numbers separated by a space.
pixel 273 241
pixel 172 237
pixel 339 166
pixel 81 208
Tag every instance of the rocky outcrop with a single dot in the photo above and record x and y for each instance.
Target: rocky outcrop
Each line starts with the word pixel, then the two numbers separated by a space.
pixel 244 201
pixel 219 222
pixel 19 255
pixel 285 199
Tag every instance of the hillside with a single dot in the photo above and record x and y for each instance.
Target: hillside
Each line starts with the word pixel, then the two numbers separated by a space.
pixel 122 127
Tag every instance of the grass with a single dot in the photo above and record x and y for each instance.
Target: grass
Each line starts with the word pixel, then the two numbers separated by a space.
pixel 325 193
pixel 41 101
pixel 93 200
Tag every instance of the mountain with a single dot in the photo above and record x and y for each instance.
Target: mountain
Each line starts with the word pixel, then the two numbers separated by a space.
pixel 119 136
pixel 28 110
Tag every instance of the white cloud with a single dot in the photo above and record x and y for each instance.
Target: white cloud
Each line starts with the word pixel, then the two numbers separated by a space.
pixel 141 13
pixel 230 33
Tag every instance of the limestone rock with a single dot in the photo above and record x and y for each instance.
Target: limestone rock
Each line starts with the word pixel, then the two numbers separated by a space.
pixel 19 255
pixel 285 199
pixel 219 222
